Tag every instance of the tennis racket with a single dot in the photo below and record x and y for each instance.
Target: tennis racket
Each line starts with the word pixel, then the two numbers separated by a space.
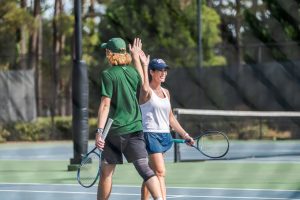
pixel 213 144
pixel 89 170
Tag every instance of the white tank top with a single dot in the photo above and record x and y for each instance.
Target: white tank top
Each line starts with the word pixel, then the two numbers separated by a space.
pixel 155 114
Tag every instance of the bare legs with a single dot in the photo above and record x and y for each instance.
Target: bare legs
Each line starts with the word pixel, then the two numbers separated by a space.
pixel 105 183
pixel 158 165
pixel 154 187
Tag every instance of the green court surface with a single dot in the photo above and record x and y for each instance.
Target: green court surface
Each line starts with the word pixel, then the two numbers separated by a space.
pixel 214 174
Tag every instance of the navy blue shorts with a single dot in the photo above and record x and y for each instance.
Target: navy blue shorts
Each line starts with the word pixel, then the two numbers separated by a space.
pixel 158 142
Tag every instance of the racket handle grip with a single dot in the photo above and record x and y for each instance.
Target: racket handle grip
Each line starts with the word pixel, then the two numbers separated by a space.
pixel 179 140
pixel 107 127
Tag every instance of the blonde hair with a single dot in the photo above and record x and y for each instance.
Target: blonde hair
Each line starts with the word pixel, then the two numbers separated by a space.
pixel 118 58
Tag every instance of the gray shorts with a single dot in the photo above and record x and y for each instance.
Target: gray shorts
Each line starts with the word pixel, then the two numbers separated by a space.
pixel 131 145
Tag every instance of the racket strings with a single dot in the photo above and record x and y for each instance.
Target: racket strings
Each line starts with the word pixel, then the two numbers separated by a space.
pixel 89 170
pixel 213 145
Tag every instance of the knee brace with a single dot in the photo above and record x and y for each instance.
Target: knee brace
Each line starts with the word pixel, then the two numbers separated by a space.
pixel 142 166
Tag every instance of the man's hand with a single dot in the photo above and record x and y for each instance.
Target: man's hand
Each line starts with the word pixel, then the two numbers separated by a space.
pixel 137 52
pixel 100 143
pixel 135 48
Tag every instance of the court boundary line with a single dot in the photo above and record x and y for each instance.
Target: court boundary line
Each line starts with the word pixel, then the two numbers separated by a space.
pixel 170 187
pixel 134 194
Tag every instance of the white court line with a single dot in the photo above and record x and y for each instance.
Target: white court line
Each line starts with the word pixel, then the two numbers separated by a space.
pixel 229 197
pixel 169 196
pixel 238 189
pixel 64 192
pixel 49 191
pixel 138 186
pixel 59 184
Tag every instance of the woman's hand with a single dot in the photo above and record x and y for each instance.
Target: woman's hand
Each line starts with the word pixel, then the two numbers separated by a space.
pixel 144 59
pixel 189 140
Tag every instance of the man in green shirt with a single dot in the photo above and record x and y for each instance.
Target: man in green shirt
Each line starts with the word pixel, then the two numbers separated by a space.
pixel 119 102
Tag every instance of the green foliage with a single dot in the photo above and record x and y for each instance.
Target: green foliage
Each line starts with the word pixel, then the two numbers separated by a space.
pixel 11 19
pixel 3 134
pixel 42 129
pixel 279 26
pixel 211 21
pixel 62 128
pixel 32 131
pixel 65 25
pixel 90 41
pixel 215 61
pixel 168 29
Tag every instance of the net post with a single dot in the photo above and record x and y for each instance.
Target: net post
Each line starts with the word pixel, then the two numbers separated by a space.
pixel 260 129
pixel 175 135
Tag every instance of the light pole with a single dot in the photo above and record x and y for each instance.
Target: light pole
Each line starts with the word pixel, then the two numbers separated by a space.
pixel 80 95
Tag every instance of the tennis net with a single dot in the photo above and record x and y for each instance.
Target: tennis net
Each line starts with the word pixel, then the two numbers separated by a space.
pixel 252 134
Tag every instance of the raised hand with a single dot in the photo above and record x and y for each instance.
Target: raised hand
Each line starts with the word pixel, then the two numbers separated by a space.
pixel 144 59
pixel 136 47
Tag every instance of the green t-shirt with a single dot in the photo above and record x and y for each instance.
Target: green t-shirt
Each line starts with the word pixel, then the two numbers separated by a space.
pixel 120 84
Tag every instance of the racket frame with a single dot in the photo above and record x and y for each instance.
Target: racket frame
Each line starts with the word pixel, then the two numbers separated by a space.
pixel 83 163
pixel 198 147
pixel 104 134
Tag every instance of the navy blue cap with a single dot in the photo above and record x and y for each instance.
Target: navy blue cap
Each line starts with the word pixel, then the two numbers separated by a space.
pixel 158 64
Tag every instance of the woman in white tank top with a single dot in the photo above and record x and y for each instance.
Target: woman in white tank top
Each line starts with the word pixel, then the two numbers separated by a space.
pixel 157 117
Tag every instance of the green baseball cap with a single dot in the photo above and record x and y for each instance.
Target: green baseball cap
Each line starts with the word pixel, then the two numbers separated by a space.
pixel 116 45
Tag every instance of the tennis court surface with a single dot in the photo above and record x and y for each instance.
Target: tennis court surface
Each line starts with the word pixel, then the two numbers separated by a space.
pixel 75 192
pixel 39 171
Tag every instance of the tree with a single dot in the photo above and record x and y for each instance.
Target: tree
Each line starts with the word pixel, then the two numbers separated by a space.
pixel 35 52
pixel 168 30
pixel 282 43
pixel 233 26
pixel 60 44
pixel 23 39
pixel 57 41
pixel 13 18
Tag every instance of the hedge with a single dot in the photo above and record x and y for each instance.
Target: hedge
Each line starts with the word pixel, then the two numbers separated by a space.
pixel 44 128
